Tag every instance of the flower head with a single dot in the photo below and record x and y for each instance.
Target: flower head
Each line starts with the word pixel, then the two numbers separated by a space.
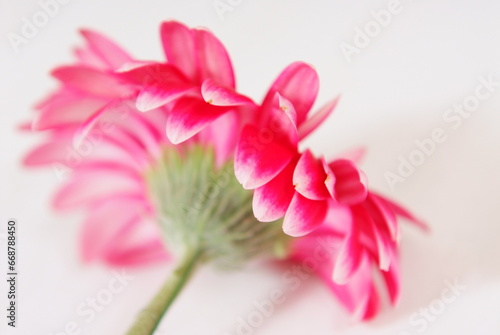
pixel 169 156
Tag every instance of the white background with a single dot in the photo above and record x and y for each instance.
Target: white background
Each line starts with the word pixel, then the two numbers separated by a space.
pixel 395 91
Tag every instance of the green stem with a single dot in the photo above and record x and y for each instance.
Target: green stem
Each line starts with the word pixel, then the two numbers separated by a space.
pixel 150 317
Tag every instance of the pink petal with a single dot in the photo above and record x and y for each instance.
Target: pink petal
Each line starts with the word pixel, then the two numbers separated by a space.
pixel 224 142
pixel 372 306
pixel 350 185
pixel 213 60
pixel 25 126
pixel 322 245
pixel 309 177
pixel 155 96
pixel 87 126
pixel 298 83
pixel 383 215
pixel 278 122
pixel 361 290
pixel 218 95
pixel 118 232
pixel 339 218
pixel 348 260
pixel 115 142
pixel 256 162
pixel 179 47
pixel 103 164
pixel 45 153
pixel 87 57
pixel 159 84
pixel 143 252
pixel 403 212
pixel 60 153
pixel 304 215
pixel 392 279
pixel 66 107
pixel 53 150
pixel 356 155
pixel 109 52
pixel 358 295
pixel 137 243
pixel 384 248
pixel 97 184
pixel 105 220
pixel 189 116
pixel 197 53
pixel 133 65
pixel 92 81
pixel 376 236
pixel 271 200
pixel 119 113
pixel 330 179
pixel 287 107
pixel 145 133
pixel 317 119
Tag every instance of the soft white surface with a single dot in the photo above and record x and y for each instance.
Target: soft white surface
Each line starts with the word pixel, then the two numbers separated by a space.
pixel 394 91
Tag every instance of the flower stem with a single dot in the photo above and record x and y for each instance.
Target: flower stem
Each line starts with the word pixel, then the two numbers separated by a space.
pixel 150 317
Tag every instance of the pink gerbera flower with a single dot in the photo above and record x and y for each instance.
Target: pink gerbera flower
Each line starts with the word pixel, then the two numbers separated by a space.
pixel 169 156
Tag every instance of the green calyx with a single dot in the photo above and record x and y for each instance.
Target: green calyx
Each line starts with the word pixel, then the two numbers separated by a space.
pixel 203 207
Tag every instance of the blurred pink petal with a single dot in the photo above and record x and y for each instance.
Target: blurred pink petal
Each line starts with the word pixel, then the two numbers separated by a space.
pixel 317 119
pixel 105 49
pixel 66 107
pixel 92 81
pixel 96 184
